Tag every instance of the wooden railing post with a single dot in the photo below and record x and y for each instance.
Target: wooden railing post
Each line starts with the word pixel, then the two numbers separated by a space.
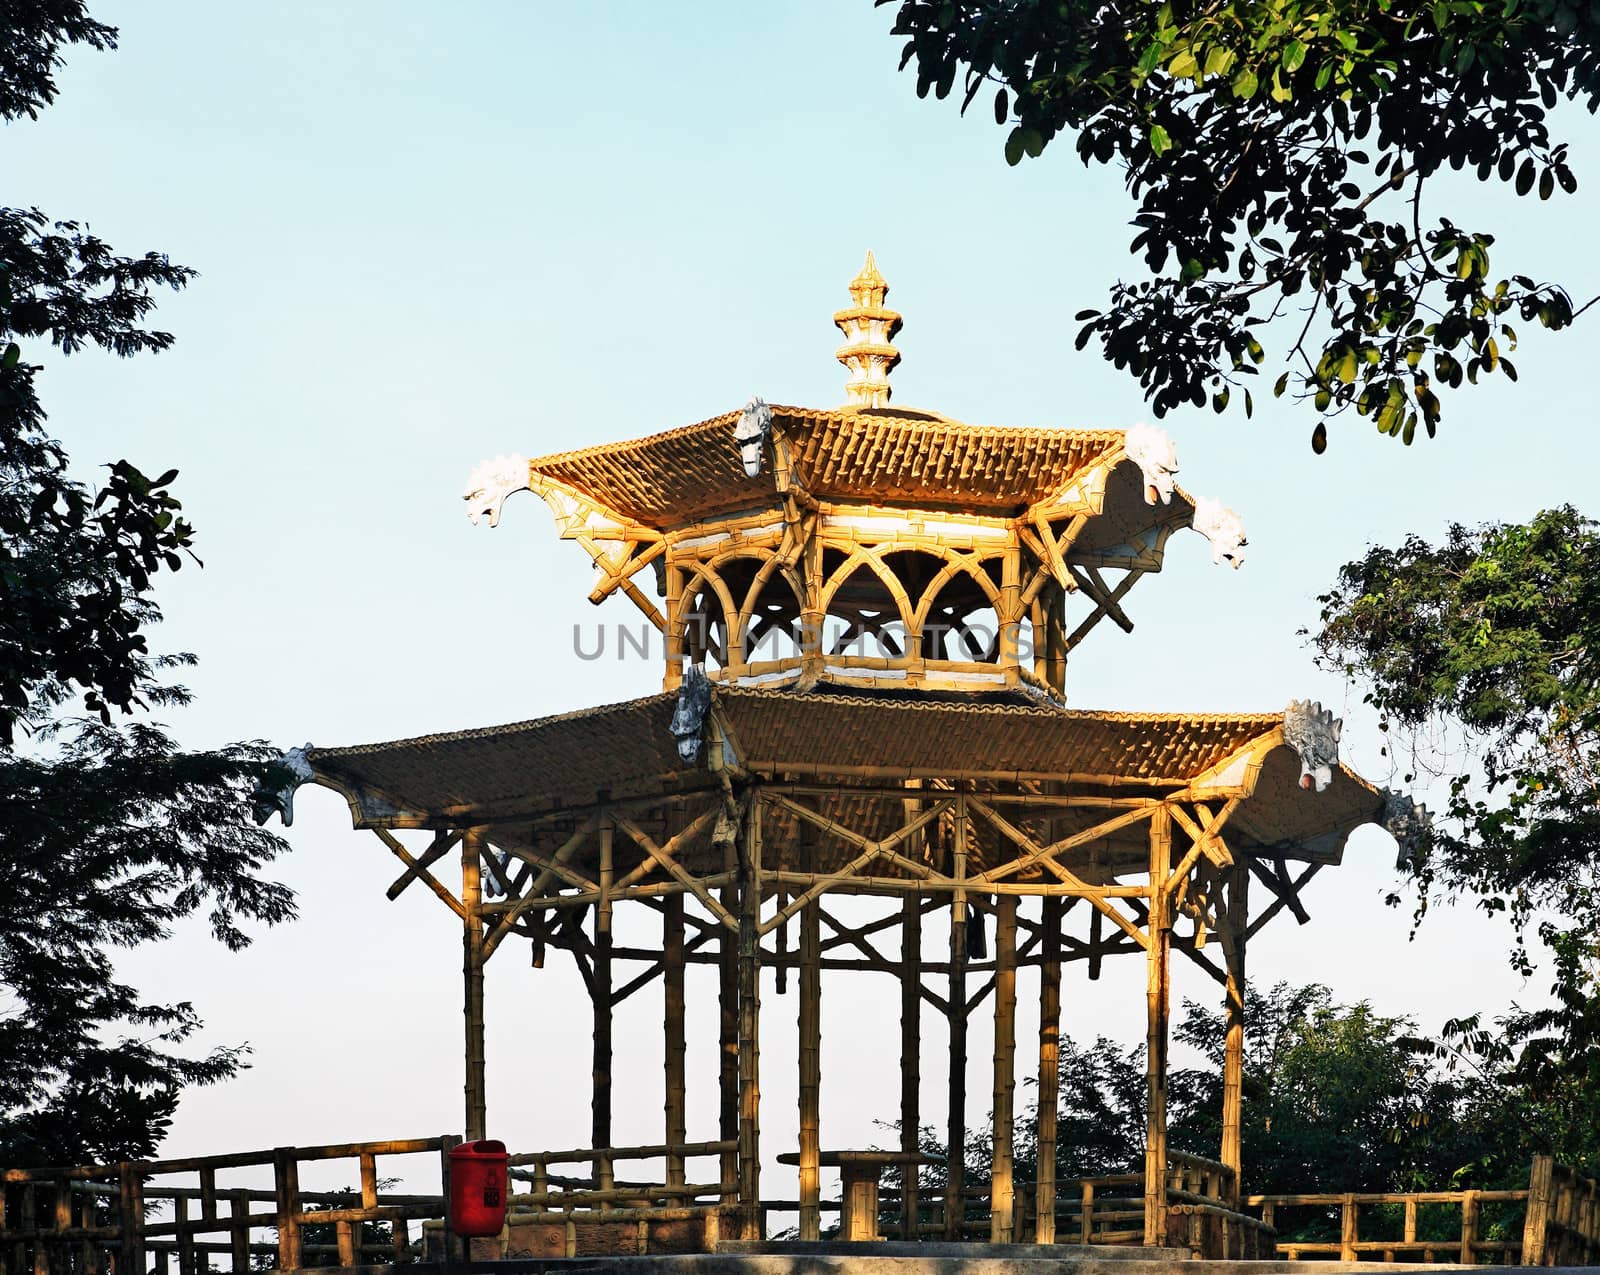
pixel 286 1183
pixel 239 1232
pixel 1349 1231
pixel 130 1211
pixel 1469 1227
pixel 447 1143
pixel 1536 1228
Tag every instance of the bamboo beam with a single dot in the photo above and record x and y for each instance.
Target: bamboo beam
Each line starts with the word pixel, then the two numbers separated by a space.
pixel 664 855
pixel 750 1027
pixel 1157 1009
pixel 1233 1042
pixel 810 1071
pixel 1049 1074
pixel 416 867
pixel 472 958
pixel 672 954
pixel 600 996
pixel 956 1013
pixel 1002 1185
pixel 910 1057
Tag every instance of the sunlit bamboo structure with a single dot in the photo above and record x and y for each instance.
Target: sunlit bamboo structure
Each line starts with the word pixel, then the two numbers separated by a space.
pixel 866 615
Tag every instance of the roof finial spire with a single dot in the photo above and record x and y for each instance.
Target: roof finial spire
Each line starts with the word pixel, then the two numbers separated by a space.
pixel 869 327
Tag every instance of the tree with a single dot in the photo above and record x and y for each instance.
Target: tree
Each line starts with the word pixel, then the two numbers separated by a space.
pixel 109 833
pixel 1494 634
pixel 1336 1098
pixel 1278 153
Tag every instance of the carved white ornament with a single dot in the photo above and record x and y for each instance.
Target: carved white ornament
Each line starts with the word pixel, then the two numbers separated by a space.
pixel 1313 732
pixel 1410 825
pixel 755 423
pixel 1223 528
pixel 490 484
pixel 1156 455
pixel 266 801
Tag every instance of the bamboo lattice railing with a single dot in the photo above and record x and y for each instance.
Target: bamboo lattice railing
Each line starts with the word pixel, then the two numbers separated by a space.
pixel 97 1218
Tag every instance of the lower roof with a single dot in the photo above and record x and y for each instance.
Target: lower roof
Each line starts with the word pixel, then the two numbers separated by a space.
pixel 522 771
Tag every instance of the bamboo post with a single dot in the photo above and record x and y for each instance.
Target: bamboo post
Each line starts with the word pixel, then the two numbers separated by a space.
pixel 910 1058
pixel 674 631
pixel 728 1035
pixel 1536 1227
pixel 447 1143
pixel 1233 1041
pixel 130 1219
pixel 472 978
pixel 1011 610
pixel 1349 1231
pixel 601 994
pixel 672 960
pixel 811 611
pixel 810 1069
pixel 239 1232
pixel 181 1232
pixel 1002 1186
pixel 1049 1073
pixel 956 1011
pixel 1469 1227
pixel 286 1184
pixel 749 1027
pixel 1157 1006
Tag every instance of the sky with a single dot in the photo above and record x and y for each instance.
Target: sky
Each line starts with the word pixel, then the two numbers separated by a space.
pixel 428 235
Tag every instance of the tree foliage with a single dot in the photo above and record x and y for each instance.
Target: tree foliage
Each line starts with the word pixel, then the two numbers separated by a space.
pixel 1336 1098
pixel 109 832
pixel 1495 633
pixel 1278 153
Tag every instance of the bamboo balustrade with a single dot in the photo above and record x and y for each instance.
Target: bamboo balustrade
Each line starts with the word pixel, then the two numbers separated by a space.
pixel 115 1218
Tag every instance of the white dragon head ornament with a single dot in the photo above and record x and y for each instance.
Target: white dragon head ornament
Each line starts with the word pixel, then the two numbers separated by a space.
pixel 1223 528
pixel 1156 455
pixel 1313 732
pixel 749 435
pixel 490 484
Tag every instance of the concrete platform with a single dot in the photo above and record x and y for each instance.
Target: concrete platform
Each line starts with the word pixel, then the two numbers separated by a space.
pixel 892 1258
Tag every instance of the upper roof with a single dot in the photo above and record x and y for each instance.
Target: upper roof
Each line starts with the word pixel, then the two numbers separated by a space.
pixel 885 455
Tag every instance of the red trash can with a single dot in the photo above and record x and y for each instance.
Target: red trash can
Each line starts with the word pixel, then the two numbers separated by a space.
pixel 478 1188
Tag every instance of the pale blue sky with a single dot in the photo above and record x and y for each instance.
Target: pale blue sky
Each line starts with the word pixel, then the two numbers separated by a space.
pixel 429 234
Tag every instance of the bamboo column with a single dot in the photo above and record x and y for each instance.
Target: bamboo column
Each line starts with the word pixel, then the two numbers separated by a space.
pixel 674 632
pixel 601 992
pixel 1002 1187
pixel 1233 1041
pixel 728 1034
pixel 472 977
pixel 956 1122
pixel 1011 612
pixel 811 614
pixel 910 1057
pixel 750 1027
pixel 1158 1007
pixel 1049 1071
pixel 672 964
pixel 810 1070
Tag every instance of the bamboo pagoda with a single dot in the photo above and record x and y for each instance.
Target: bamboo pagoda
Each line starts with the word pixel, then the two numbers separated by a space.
pixel 867 614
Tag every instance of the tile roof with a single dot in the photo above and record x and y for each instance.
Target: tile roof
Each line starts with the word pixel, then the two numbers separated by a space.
pixel 892 455
pixel 514 772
